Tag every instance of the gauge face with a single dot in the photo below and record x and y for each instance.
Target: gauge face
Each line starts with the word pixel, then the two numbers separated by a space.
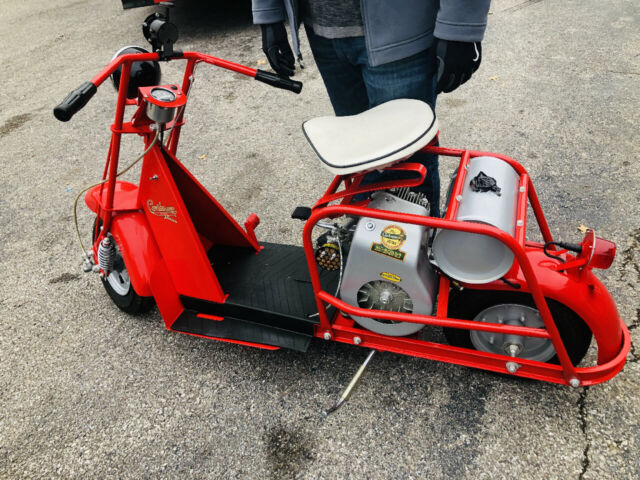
pixel 163 95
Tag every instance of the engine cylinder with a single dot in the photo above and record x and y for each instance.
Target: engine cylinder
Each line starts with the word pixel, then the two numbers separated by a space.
pixel 387 268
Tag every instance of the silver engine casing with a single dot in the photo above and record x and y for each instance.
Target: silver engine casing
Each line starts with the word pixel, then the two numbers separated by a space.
pixel 379 256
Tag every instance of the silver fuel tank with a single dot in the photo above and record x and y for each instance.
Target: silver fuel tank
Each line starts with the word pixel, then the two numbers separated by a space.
pixel 473 258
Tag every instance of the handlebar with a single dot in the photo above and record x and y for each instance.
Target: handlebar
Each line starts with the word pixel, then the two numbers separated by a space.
pixel 79 97
pixel 278 81
pixel 74 102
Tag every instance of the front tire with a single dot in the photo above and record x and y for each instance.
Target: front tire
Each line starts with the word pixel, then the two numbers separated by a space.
pixel 516 309
pixel 119 288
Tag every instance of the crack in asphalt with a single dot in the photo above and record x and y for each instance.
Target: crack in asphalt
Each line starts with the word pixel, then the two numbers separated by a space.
pixel 635 324
pixel 629 256
pixel 623 72
pixel 582 400
pixel 634 356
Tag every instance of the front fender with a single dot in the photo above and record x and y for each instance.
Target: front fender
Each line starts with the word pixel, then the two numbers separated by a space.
pixel 131 232
pixel 138 248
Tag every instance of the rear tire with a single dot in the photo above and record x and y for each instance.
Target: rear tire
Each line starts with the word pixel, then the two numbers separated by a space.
pixel 475 304
pixel 119 287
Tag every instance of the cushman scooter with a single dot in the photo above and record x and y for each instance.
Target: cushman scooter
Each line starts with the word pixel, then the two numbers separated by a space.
pixel 375 273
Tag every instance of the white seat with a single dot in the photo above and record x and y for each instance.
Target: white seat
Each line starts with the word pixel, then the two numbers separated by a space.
pixel 373 139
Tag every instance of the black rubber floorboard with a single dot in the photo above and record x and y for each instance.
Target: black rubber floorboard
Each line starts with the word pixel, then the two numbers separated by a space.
pixel 275 279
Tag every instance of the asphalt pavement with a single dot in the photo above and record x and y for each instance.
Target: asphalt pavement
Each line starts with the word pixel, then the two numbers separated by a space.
pixel 87 391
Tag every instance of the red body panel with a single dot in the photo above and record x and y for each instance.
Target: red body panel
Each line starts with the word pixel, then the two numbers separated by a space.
pixel 165 294
pixel 178 240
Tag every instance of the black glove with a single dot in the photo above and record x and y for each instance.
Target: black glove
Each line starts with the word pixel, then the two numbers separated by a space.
pixel 457 61
pixel 275 45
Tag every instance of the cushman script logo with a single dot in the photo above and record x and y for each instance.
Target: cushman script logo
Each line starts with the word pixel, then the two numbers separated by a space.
pixel 159 210
pixel 392 238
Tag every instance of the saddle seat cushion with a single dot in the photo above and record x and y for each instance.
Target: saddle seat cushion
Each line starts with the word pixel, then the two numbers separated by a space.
pixel 372 139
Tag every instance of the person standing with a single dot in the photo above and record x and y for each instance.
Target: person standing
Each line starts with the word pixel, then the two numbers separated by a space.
pixel 371 51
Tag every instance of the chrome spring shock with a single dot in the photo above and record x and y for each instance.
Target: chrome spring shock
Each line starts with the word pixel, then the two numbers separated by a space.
pixel 106 254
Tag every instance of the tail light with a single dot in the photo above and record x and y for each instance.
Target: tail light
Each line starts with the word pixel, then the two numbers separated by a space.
pixel 598 251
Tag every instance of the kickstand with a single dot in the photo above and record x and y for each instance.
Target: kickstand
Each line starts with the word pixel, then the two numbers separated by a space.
pixel 352 385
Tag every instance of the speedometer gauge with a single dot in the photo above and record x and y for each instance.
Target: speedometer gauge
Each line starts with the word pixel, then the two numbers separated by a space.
pixel 163 95
pixel 162 102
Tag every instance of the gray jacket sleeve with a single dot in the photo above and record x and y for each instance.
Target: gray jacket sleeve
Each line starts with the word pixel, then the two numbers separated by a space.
pixel 268 11
pixel 462 20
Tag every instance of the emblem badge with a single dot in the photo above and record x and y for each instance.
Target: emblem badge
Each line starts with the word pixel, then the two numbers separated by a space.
pixel 392 277
pixel 159 210
pixel 392 238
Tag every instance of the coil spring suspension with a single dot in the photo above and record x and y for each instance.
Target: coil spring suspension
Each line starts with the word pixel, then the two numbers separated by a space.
pixel 106 254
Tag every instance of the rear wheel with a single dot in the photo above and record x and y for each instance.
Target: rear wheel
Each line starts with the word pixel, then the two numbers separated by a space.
pixel 118 286
pixel 519 309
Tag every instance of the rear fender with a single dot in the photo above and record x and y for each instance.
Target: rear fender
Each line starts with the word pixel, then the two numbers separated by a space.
pixel 582 292
pixel 591 301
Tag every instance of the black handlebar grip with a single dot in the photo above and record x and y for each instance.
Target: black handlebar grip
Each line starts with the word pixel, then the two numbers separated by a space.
pixel 74 102
pixel 278 81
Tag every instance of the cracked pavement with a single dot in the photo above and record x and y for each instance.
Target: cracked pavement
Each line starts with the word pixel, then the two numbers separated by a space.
pixel 88 391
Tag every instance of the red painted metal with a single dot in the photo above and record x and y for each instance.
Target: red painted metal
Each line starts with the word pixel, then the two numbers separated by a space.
pixel 207 215
pixel 173 228
pixel 125 197
pixel 454 202
pixel 503 237
pixel 115 145
pixel 187 81
pixel 343 331
pixel 521 211
pixel 165 225
pixel 443 297
pixel 261 346
pixel 354 186
pixel 435 321
pixel 165 294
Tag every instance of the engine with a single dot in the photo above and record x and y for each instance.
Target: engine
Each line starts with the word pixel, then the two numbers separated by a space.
pixel 387 267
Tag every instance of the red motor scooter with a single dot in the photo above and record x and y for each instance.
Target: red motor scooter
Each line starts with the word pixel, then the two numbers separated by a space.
pixel 381 271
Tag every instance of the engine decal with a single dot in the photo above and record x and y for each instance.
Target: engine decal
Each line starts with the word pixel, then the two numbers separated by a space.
pixel 392 238
pixel 159 210
pixel 392 277
pixel 382 250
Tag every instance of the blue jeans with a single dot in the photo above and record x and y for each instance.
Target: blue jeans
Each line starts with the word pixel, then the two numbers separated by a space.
pixel 354 86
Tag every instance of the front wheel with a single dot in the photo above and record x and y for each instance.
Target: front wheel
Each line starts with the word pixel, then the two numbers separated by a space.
pixel 519 309
pixel 118 285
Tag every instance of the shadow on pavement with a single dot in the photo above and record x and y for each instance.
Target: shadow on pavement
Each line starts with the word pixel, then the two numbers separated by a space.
pixel 198 18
